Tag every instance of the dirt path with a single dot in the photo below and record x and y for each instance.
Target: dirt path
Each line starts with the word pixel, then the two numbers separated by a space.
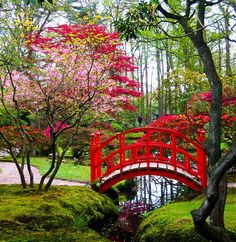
pixel 10 175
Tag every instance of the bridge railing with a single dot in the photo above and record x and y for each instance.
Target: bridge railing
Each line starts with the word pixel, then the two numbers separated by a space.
pixel 157 148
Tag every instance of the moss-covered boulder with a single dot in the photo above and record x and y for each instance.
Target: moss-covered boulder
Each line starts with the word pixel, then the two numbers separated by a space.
pixel 59 235
pixel 173 223
pixel 62 212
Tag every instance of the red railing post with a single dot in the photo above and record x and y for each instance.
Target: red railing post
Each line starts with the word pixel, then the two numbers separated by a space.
pixel 92 158
pixel 122 151
pixel 148 151
pixel 201 157
pixel 173 141
pixel 204 173
pixel 98 171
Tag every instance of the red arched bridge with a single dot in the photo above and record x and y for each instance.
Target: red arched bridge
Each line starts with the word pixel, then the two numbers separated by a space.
pixel 155 151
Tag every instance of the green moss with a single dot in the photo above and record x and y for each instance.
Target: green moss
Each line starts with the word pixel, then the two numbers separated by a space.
pixel 60 235
pixel 174 223
pixel 62 208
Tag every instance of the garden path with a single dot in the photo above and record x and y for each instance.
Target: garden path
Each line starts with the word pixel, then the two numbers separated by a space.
pixel 10 175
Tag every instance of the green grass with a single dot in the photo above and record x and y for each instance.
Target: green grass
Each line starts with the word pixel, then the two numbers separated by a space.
pixel 174 223
pixel 62 214
pixel 67 171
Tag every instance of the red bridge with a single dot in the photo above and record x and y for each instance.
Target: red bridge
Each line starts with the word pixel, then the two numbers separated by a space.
pixel 156 151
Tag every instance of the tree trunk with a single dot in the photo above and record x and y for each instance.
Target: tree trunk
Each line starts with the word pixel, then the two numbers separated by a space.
pixel 214 137
pixel 49 183
pixel 158 67
pixel 31 175
pixel 213 233
pixel 228 70
pixel 52 163
pixel 214 134
pixel 220 56
pixel 217 214
pixel 147 96
pixel 21 173
pixel 141 82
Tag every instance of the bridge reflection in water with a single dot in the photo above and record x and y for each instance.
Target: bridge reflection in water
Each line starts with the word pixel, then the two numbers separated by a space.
pixel 152 192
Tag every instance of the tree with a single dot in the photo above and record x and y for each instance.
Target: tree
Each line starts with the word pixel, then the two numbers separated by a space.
pixel 178 87
pixel 18 19
pixel 76 71
pixel 190 15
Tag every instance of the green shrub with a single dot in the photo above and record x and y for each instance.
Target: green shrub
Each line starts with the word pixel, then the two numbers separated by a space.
pixel 117 127
pixel 134 135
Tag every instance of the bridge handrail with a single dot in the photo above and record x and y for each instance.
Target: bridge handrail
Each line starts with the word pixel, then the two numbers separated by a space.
pixel 97 160
pixel 136 130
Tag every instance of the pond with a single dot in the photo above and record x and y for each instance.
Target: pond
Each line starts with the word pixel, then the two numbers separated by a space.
pixel 145 194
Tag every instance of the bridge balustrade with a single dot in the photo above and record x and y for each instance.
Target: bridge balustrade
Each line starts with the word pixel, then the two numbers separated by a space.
pixel 158 151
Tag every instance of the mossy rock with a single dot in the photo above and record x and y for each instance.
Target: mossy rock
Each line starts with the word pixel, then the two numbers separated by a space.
pixel 62 208
pixel 60 235
pixel 173 222
pixel 157 228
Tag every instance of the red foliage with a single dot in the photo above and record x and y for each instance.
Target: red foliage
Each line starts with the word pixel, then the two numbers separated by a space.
pixel 93 45
pixel 192 126
pixel 13 135
pixel 103 125
pixel 207 97
pixel 58 127
pixel 68 33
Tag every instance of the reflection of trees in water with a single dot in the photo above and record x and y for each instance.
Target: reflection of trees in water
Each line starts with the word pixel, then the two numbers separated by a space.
pixel 155 191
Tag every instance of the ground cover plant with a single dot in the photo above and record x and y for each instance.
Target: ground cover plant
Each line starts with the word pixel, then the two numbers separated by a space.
pixel 62 214
pixel 173 222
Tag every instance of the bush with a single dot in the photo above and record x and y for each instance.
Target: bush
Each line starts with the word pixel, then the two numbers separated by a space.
pixel 117 127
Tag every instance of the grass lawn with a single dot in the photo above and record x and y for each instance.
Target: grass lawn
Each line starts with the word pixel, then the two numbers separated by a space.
pixel 67 171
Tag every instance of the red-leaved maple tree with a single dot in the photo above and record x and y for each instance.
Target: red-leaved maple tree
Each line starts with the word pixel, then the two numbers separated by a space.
pixel 194 126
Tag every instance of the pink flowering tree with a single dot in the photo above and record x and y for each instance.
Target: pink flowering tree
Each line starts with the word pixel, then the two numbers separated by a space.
pixel 76 71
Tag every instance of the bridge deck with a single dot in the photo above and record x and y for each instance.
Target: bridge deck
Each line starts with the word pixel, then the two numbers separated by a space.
pixel 152 166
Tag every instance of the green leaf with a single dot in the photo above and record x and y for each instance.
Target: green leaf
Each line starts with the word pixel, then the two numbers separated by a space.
pixel 154 1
